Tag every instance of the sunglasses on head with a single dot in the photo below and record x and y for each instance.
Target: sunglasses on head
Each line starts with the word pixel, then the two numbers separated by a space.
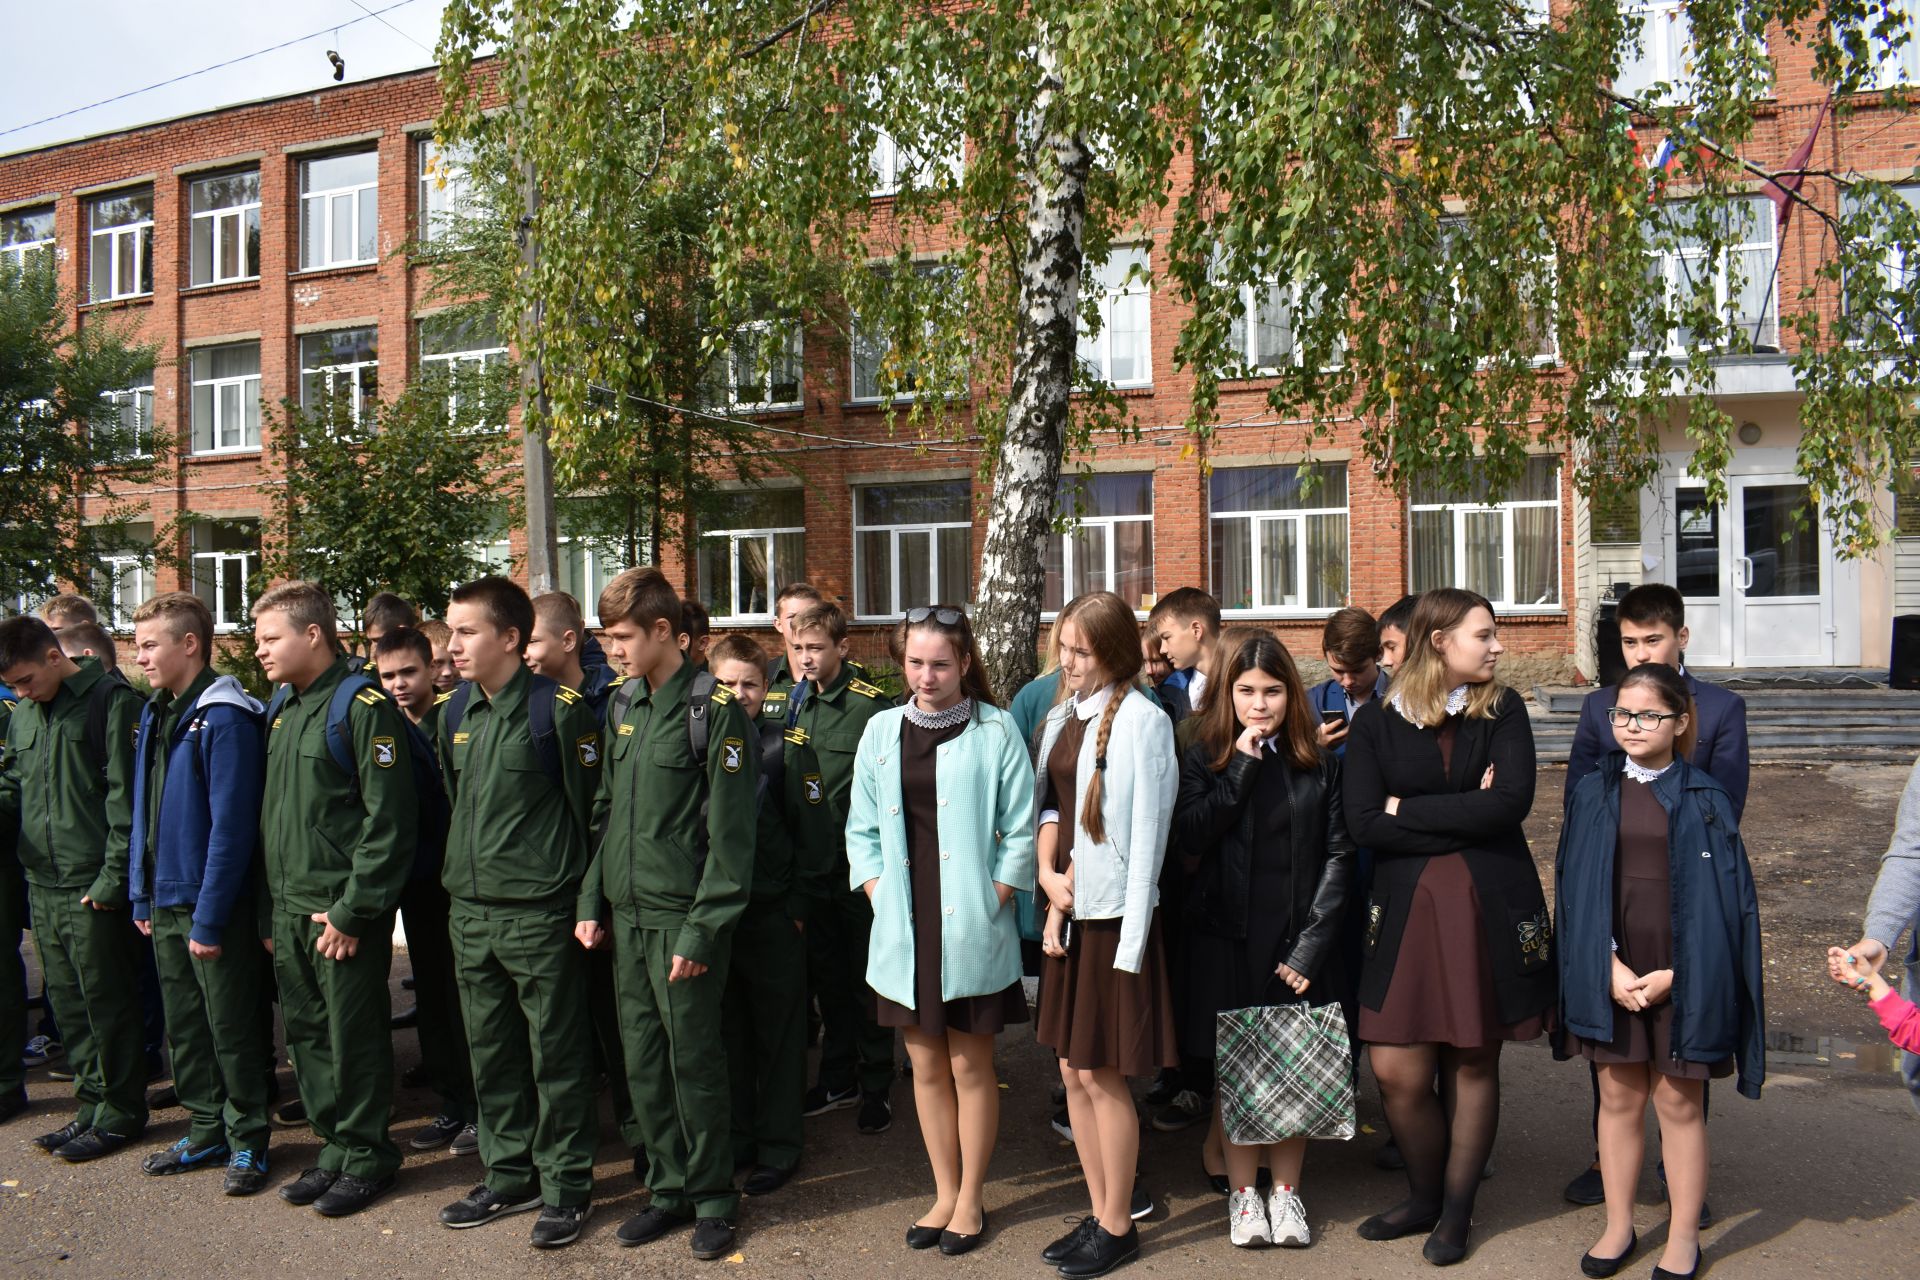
pixel 946 617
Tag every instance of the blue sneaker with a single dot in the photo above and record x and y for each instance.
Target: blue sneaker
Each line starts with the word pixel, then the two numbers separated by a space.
pixel 246 1172
pixel 183 1156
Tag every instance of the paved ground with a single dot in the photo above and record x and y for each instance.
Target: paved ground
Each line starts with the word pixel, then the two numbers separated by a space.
pixel 1819 1178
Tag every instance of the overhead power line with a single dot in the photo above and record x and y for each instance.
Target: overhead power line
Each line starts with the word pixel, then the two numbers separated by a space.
pixel 188 75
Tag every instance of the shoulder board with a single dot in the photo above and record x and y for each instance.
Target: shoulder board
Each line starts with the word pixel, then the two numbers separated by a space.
pixel 566 695
pixel 721 694
pixel 866 690
pixel 371 697
pixel 443 697
pixel 797 736
pixel 616 682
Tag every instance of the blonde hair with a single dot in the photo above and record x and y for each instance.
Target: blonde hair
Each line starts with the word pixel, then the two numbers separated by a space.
pixel 1107 628
pixel 1421 683
pixel 306 604
pixel 184 613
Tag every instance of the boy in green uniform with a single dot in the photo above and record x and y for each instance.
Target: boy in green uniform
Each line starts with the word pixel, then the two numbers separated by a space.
pixel 827 711
pixel 521 756
pixel 199 767
pixel 13 970
pixel 676 861
pixel 69 769
pixel 765 1013
pixel 338 844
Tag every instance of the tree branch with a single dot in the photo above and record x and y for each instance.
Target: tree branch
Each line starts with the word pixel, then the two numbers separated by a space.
pixel 760 46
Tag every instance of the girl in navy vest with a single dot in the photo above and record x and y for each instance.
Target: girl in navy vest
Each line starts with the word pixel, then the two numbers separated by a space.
pixel 1659 957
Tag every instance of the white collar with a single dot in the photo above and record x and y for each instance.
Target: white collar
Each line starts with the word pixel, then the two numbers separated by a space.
pixel 1088 708
pixel 1456 700
pixel 1640 773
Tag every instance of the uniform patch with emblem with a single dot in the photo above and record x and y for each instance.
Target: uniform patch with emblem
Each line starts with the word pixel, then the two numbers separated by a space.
pixel 460 738
pixel 733 753
pixel 588 749
pixel 816 788
pixel 370 697
pixel 276 722
pixel 722 694
pixel 385 752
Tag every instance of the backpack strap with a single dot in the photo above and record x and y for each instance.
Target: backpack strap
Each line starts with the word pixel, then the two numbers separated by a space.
pixel 773 762
pixel 540 703
pixel 619 699
pixel 99 699
pixel 453 707
pixel 705 691
pixel 355 688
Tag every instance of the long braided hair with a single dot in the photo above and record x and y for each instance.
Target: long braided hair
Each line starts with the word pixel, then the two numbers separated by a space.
pixel 1104 624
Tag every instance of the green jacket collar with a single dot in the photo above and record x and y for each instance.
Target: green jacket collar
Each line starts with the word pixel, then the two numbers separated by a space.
pixel 512 695
pixel 675 690
pixel 75 686
pixel 324 684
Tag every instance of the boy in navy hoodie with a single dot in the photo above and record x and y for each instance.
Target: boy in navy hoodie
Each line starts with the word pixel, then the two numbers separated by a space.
pixel 199 759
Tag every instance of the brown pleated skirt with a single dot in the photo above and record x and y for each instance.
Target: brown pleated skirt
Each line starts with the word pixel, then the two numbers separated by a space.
pixel 1098 1017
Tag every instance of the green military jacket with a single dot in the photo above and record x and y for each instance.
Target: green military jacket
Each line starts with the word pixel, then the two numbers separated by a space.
pixel 337 843
pixel 679 839
pixel 773 874
pixel 780 684
pixel 9 800
pixel 517 839
pixel 74 823
pixel 821 742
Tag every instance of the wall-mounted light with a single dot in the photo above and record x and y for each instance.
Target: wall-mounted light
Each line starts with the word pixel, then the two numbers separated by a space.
pixel 1749 433
pixel 339 65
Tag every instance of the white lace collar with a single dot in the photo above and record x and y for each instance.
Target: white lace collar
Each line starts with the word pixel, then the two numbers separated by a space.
pixel 1456 700
pixel 1640 772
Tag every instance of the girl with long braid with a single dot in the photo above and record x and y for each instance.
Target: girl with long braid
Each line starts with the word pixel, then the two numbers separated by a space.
pixel 1105 784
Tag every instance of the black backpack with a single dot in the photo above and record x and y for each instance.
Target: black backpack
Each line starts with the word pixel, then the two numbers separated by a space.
pixel 540 699
pixel 699 699
pixel 99 702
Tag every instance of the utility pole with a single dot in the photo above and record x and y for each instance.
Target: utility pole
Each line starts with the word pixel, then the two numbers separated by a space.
pixel 543 547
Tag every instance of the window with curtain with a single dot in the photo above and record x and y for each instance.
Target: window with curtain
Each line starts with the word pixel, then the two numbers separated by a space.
pixel 226 398
pixel 1736 281
pixel 1279 537
pixel 1120 354
pixel 1508 551
pixel 1108 544
pixel 750 547
pixel 912 545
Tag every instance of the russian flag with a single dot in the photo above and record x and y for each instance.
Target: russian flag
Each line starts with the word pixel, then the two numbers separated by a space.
pixel 1668 155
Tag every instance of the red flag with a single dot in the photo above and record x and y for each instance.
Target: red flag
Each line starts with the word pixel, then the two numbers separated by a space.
pixel 1784 188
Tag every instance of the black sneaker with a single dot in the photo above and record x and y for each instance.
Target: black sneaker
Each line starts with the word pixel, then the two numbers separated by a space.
pixel 60 1137
pixel 246 1173
pixel 292 1116
pixel 483 1204
pixel 1063 1124
pixel 1142 1205
pixel 407 1017
pixel 350 1194
pixel 439 1132
pixel 93 1144
pixel 309 1186
pixel 163 1098
pixel 711 1238
pixel 466 1142
pixel 63 1074
pixel 1586 1189
pixel 1166 1086
pixel 558 1225
pixel 183 1156
pixel 820 1100
pixel 876 1114
pixel 1187 1109
pixel 648 1225
pixel 764 1180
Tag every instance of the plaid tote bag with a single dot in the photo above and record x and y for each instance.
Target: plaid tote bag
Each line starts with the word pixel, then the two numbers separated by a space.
pixel 1284 1071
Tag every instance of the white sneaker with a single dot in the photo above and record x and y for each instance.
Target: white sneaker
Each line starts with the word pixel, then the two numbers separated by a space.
pixel 1288 1218
pixel 1247 1219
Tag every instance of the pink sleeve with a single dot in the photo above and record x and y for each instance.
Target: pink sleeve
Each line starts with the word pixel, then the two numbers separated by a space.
pixel 1901 1018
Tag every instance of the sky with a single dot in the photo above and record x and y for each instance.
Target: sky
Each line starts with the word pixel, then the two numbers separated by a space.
pixel 57 57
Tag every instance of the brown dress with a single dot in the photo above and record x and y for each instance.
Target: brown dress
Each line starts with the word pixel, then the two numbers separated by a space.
pixel 971 1015
pixel 1091 1014
pixel 1442 988
pixel 1643 928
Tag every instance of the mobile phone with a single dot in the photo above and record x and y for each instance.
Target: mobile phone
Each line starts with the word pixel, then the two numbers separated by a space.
pixel 1335 718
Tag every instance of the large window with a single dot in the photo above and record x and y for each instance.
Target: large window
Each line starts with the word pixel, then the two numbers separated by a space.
pixel 464 349
pixel 912 545
pixel 1664 54
pixel 1108 543
pixel 1898 269
pixel 226 398
pixel 1279 537
pixel 1736 282
pixel 750 548
pixel 225 211
pixel 1899 65
pixel 344 362
pixel 339 209
pixel 586 566
pixel 26 235
pixel 1507 551
pixel 120 245
pixel 131 431
pixel 878 374
pixel 1121 353
pixel 225 556
pixel 446 191
pixel 1266 337
pixel 125 581
pixel 759 368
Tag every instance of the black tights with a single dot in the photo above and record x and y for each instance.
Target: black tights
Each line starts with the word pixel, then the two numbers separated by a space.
pixel 1446 1139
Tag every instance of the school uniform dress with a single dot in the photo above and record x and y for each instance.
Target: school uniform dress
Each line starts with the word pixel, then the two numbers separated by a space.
pixel 1643 931
pixel 1090 1013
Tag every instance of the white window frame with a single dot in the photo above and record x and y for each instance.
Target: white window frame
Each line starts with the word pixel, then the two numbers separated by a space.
pixel 139 398
pixel 249 394
pixel 1258 522
pixel 444 188
pixel 134 239
pixel 227 220
pixel 479 358
pixel 23 248
pixel 930 530
pixel 1100 366
pixel 1251 305
pixel 117 569
pixel 324 198
pixel 769 536
pixel 352 372
pixel 592 573
pixel 1504 602
pixel 1894 68
pixel 1671 264
pixel 210 568
pixel 1108 574
pixel 729 354
pixel 1544 267
pixel 892 167
pixel 880 348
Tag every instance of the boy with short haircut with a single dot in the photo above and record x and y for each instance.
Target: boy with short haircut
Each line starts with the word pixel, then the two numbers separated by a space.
pixel 90 640
pixel 404 660
pixel 826 713
pixel 68 784
pixel 199 769
pixel 557 649
pixel 1187 622
pixel 338 846
pixel 793 600
pixel 67 610
pixel 696 627
pixel 1393 632
pixel 521 756
pixel 443 674
pixel 385 612
pixel 1350 643
pixel 765 1008
pixel 676 863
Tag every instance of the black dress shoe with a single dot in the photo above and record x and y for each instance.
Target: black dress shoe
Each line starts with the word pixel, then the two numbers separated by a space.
pixel 163 1098
pixel 60 1137
pixel 919 1237
pixel 350 1194
pixel 309 1186
pixel 1661 1273
pixel 407 1017
pixel 1101 1252
pixel 953 1244
pixel 1601 1268
pixel 765 1180
pixel 1062 1249
pixel 93 1144
pixel 1379 1228
pixel 1218 1181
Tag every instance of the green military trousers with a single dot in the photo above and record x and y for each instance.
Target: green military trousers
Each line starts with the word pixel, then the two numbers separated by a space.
pixel 222 1046
pixel 609 1058
pixel 337 1014
pixel 853 1048
pixel 443 1034
pixel 673 1040
pixel 13 978
pixel 91 962
pixel 765 1020
pixel 523 993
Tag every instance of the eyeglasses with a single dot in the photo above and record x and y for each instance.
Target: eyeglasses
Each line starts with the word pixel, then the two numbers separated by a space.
pixel 939 613
pixel 1620 717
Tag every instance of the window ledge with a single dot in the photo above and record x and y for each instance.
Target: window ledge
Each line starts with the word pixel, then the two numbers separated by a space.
pixel 217 455
pixel 1138 391
pixel 220 286
pixel 342 269
pixel 876 406
pixel 763 411
pixel 131 300
pixel 1278 615
pixel 1527 613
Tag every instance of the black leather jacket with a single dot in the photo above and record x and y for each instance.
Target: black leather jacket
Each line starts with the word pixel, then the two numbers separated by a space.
pixel 1213 822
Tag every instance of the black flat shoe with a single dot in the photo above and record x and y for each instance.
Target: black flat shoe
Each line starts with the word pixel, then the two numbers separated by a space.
pixel 1441 1253
pixel 953 1244
pixel 1378 1228
pixel 1661 1273
pixel 1218 1181
pixel 919 1237
pixel 1601 1268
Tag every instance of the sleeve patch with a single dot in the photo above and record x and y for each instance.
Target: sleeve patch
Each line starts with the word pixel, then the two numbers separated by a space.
pixel 385 752
pixel 733 754
pixel 588 749
pixel 866 690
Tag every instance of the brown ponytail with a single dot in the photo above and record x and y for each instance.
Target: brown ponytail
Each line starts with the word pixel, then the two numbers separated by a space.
pixel 1090 818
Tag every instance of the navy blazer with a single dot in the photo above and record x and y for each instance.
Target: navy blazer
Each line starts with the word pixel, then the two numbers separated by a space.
pixel 1720 750
pixel 1329 696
